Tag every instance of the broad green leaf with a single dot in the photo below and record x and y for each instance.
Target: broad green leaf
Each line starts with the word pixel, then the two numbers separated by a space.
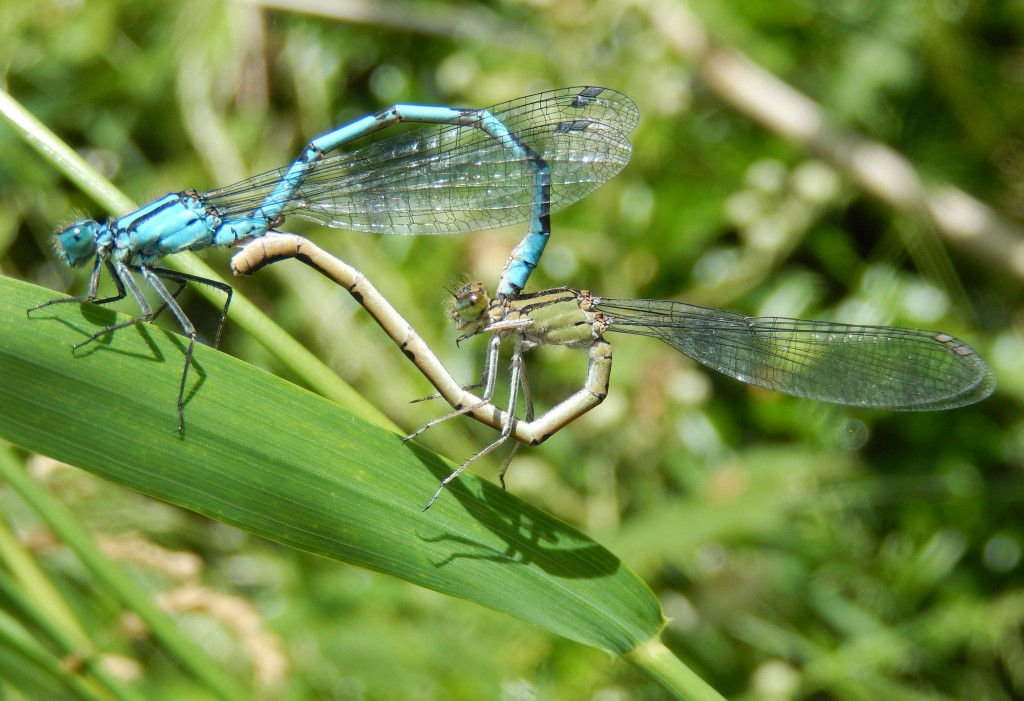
pixel 266 456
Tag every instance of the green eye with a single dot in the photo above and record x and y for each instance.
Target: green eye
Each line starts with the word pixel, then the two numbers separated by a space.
pixel 469 303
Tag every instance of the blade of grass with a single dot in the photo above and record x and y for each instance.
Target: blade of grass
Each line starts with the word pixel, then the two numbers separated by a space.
pixel 271 458
pixel 30 667
pixel 114 579
pixel 658 661
pixel 72 644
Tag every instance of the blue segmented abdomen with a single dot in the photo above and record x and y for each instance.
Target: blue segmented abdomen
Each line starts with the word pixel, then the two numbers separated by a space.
pixel 515 162
pixel 445 179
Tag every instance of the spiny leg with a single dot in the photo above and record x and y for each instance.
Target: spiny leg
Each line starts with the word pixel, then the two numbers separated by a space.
pixel 146 315
pixel 460 469
pixel 94 283
pixel 487 381
pixel 156 312
pixel 153 276
pixel 524 383
pixel 517 364
pixel 123 279
pixel 187 329
pixel 183 278
pixel 482 382
pixel 593 392
pixel 437 395
pixel 121 273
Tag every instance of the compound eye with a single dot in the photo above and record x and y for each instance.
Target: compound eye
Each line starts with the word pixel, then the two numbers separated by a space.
pixel 469 303
pixel 77 243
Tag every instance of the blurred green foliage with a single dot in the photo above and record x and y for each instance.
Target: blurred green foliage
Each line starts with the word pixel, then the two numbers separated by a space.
pixel 801 550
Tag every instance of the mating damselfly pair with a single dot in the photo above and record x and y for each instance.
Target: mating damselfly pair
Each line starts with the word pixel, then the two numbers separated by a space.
pixel 514 162
pixel 874 367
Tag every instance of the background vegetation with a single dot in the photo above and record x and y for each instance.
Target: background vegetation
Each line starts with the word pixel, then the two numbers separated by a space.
pixel 800 550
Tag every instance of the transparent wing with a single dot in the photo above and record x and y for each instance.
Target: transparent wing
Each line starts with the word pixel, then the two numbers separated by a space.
pixel 448 179
pixel 879 367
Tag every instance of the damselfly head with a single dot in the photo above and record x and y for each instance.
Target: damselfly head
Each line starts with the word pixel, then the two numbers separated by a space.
pixel 468 306
pixel 77 243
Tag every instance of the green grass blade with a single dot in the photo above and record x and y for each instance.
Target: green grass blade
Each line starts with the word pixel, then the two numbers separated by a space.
pixel 28 593
pixel 28 666
pixel 110 578
pixel 658 661
pixel 281 462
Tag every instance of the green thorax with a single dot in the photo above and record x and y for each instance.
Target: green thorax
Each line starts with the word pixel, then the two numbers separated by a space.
pixel 561 317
